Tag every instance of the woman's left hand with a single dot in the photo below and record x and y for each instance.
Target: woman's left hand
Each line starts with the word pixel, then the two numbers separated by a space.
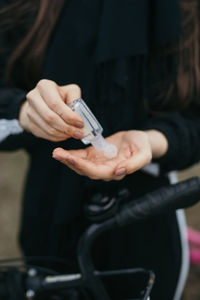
pixel 134 153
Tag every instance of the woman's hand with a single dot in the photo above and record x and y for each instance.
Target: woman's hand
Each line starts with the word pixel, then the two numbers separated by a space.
pixel 134 153
pixel 46 114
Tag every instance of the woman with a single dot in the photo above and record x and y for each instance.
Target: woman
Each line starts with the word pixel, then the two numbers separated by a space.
pixel 138 71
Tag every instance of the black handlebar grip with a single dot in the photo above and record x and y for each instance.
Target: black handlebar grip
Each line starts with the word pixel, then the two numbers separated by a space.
pixel 163 200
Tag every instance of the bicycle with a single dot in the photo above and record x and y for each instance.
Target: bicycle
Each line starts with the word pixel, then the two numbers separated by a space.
pixel 105 213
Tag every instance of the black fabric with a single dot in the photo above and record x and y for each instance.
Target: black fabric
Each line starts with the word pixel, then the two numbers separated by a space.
pixel 150 23
pixel 103 47
pixel 177 129
pixel 11 98
pixel 11 285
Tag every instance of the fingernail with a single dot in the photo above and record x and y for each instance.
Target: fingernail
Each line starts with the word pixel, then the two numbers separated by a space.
pixel 78 134
pixel 120 172
pixel 79 124
pixel 70 161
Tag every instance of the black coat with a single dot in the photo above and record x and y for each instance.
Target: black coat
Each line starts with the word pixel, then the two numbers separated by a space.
pixel 103 46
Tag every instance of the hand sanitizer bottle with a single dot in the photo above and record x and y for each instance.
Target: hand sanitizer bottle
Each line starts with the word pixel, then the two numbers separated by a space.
pixel 92 129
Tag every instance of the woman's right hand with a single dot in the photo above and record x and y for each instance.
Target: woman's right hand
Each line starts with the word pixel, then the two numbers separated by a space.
pixel 46 113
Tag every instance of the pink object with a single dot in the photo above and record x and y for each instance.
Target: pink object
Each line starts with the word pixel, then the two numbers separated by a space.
pixel 194 245
pixel 193 237
pixel 195 257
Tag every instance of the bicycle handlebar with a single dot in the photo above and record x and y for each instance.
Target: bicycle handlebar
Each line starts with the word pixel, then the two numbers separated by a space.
pixel 163 200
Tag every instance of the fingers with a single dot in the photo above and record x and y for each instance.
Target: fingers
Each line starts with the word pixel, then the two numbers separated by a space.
pixel 78 161
pixel 48 120
pixel 83 166
pixel 46 109
pixel 70 93
pixel 49 132
pixel 137 155
pixel 52 96
pixel 137 161
pixel 40 133
pixel 134 154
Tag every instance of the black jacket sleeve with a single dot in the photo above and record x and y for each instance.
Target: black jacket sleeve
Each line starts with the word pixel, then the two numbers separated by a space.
pixel 183 134
pixel 10 102
pixel 11 98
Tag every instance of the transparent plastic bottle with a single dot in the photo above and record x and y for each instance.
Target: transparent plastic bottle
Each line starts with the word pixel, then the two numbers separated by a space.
pixel 92 129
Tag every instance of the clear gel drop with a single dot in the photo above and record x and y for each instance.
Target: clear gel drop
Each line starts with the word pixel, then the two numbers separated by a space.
pixel 92 129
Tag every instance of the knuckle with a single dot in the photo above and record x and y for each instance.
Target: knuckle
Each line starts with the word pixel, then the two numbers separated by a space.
pixel 69 131
pixel 41 83
pixel 49 118
pixel 30 95
pixel 44 82
pixel 74 88
pixel 63 115
pixel 53 105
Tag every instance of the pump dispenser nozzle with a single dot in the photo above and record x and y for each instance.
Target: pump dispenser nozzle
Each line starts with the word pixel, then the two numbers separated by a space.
pixel 92 129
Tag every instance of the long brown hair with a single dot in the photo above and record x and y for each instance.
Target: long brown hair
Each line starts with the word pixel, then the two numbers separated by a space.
pixel 181 83
pixel 188 77
pixel 39 17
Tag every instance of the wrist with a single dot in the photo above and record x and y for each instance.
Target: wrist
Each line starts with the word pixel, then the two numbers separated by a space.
pixel 158 143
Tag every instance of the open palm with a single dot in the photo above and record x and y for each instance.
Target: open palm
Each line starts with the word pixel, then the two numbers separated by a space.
pixel 134 152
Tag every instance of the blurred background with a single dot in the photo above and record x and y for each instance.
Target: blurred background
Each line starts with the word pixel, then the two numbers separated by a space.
pixel 13 168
